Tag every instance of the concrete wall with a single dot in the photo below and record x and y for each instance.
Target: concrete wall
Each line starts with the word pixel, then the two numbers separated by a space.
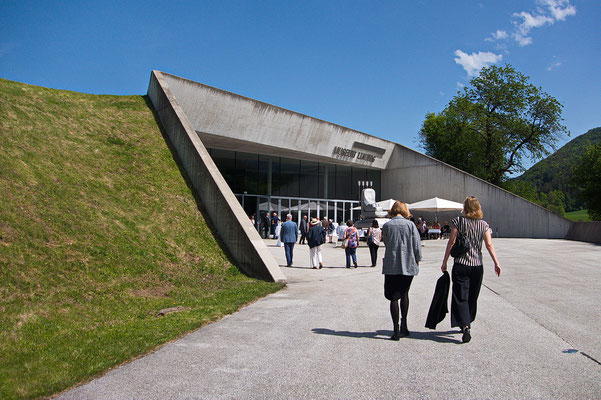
pixel 268 129
pixel 412 176
pixel 585 232
pixel 224 210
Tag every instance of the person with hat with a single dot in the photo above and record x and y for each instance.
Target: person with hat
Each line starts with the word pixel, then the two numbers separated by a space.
pixel 315 238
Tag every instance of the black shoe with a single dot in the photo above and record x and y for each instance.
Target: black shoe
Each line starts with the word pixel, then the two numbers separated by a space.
pixel 396 335
pixel 466 335
pixel 404 331
pixel 355 264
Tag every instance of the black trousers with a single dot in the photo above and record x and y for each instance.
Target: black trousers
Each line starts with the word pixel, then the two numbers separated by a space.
pixel 466 288
pixel 373 251
pixel 303 236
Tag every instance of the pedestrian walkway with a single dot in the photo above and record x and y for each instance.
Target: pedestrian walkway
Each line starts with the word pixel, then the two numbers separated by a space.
pixel 537 336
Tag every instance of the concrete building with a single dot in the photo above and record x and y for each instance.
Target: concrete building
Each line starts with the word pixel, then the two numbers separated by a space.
pixel 247 157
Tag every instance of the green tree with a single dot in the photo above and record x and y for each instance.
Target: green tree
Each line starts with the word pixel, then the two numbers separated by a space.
pixel 523 189
pixel 587 178
pixel 493 125
pixel 557 202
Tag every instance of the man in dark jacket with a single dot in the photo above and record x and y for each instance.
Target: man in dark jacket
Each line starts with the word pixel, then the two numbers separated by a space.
pixel 274 223
pixel 304 227
pixel 315 238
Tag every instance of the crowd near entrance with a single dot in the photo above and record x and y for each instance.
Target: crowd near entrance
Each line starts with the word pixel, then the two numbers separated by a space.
pixel 263 207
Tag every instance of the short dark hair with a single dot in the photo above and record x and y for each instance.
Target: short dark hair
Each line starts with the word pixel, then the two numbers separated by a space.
pixel 349 222
pixel 375 224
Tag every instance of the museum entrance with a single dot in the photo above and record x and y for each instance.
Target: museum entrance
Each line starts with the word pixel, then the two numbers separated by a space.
pixel 263 207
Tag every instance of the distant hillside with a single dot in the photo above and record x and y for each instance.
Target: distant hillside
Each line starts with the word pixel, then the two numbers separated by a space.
pixel 555 171
pixel 98 231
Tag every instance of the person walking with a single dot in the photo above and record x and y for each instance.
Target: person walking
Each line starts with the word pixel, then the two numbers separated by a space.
pixel 315 238
pixel 374 236
pixel 334 232
pixel 340 233
pixel 352 237
pixel 274 224
pixel 468 270
pixel 401 263
pixel 304 227
pixel 289 234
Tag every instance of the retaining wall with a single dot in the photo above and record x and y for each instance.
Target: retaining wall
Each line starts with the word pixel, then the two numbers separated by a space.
pixel 585 232
pixel 411 176
pixel 224 210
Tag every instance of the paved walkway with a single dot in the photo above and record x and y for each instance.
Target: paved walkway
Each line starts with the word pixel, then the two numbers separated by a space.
pixel 537 336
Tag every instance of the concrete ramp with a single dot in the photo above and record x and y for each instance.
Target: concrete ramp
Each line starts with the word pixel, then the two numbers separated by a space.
pixel 233 226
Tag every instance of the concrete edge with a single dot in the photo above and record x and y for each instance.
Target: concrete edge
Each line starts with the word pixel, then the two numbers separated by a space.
pixel 585 232
pixel 227 215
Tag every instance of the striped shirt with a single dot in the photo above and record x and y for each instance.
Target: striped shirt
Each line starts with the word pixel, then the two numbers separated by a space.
pixel 474 230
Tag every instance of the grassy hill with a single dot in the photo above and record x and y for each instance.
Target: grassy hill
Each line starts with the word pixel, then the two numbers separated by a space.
pixel 555 171
pixel 98 231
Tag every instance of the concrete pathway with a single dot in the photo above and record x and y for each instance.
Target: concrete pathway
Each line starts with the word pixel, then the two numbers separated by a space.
pixel 325 336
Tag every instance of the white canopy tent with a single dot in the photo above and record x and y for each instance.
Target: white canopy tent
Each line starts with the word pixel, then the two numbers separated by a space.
pixel 435 205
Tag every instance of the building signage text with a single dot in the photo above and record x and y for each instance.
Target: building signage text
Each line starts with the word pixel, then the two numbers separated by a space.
pixel 352 154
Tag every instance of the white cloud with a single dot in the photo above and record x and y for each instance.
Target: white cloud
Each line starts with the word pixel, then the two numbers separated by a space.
pixel 473 63
pixel 547 12
pixel 528 22
pixel 499 34
pixel 560 9
pixel 554 65
pixel 460 86
pixel 522 40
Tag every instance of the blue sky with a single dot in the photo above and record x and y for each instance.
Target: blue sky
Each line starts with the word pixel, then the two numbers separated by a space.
pixel 374 66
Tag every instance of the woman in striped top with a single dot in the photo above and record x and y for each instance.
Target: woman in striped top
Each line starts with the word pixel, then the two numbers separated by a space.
pixel 467 269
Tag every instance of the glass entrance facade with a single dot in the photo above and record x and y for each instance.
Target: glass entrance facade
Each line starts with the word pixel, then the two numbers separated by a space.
pixel 264 184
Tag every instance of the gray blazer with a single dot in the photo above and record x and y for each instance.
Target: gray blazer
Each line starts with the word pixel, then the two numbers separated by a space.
pixel 403 247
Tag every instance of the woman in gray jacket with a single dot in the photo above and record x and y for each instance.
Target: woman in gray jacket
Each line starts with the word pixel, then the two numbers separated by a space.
pixel 401 264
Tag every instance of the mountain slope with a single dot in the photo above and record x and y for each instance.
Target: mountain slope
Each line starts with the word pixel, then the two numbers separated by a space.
pixel 555 171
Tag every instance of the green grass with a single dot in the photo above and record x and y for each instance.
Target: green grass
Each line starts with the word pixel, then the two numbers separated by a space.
pixel 577 216
pixel 98 231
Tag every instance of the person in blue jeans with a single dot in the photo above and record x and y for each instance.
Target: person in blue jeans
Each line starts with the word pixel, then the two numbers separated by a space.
pixel 352 235
pixel 288 236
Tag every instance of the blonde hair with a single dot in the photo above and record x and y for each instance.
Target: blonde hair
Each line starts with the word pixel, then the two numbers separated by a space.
pixel 472 208
pixel 399 208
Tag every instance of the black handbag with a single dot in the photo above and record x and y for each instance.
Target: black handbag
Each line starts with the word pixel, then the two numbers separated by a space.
pixel 461 245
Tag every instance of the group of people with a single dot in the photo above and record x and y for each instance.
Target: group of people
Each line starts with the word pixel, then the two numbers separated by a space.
pixel 315 233
pixel 403 254
pixel 434 231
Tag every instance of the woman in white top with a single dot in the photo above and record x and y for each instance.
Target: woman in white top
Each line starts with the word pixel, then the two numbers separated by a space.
pixel 374 236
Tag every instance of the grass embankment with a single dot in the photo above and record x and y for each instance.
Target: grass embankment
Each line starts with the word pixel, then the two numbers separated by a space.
pixel 98 231
pixel 577 216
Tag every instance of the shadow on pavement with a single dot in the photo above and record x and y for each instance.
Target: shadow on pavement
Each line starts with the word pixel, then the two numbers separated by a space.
pixel 435 336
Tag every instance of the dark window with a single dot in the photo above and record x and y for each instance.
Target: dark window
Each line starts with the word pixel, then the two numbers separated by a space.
pixel 247 172
pixel 289 177
pixel 343 182
pixel 373 176
pixel 358 175
pixel 225 161
pixel 310 179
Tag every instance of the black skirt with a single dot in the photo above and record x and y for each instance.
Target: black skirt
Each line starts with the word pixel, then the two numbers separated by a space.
pixel 396 286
